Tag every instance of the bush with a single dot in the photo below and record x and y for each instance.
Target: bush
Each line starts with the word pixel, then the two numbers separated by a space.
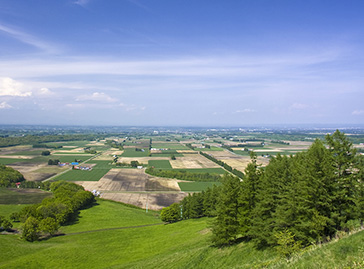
pixel 30 230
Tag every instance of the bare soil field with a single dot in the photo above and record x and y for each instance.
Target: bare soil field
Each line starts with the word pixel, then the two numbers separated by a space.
pixel 223 154
pixel 134 186
pixel 29 171
pixel 194 161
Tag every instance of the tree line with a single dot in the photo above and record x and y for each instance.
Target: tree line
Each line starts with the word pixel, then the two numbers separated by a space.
pixel 225 165
pixel 39 139
pixel 45 218
pixel 183 175
pixel 292 202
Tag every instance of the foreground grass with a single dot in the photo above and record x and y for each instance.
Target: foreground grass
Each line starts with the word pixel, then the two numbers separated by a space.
pixel 184 244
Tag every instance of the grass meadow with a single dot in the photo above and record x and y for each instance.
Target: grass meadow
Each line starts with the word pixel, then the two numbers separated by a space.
pixel 97 172
pixel 96 242
pixel 175 146
pixel 162 164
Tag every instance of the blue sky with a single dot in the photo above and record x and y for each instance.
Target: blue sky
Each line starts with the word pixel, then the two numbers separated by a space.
pixel 187 63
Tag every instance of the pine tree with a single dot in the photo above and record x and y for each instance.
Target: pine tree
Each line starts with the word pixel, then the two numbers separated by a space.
pixel 248 199
pixel 343 154
pixel 226 227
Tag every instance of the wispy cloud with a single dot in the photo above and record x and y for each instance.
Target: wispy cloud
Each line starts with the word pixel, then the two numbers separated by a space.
pixel 138 4
pixel 82 3
pixel 5 105
pixel 97 97
pixel 298 106
pixel 245 110
pixel 28 39
pixel 358 112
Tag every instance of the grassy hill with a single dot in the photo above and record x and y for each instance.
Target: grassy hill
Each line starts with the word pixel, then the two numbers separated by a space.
pixel 111 235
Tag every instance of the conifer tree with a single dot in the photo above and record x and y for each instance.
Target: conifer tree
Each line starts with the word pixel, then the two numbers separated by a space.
pixel 226 227
pixel 249 188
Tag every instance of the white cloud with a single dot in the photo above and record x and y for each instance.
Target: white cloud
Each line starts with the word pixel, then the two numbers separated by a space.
pixel 44 92
pixel 358 112
pixel 97 97
pixel 4 105
pixel 10 87
pixel 28 39
pixel 298 106
pixel 245 110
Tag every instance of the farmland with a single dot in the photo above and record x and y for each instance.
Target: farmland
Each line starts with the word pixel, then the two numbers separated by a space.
pixel 111 171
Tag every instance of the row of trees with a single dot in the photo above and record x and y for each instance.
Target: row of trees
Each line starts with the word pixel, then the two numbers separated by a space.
pixel 223 164
pixel 183 175
pixel 9 176
pixel 46 217
pixel 197 205
pixel 39 139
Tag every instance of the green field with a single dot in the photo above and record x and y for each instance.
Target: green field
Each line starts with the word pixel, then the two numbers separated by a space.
pixel 131 152
pixel 175 146
pixel 162 164
pixel 27 153
pixel 17 196
pixel 185 244
pixel 196 186
pixel 10 160
pixel 97 172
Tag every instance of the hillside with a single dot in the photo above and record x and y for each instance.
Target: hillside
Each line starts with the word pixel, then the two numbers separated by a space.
pixel 96 241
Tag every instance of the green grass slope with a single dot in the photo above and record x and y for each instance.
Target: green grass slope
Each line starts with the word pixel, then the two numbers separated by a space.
pixel 183 244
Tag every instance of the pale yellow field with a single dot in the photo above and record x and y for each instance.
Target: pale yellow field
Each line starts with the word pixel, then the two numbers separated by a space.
pixel 16 157
pixel 193 161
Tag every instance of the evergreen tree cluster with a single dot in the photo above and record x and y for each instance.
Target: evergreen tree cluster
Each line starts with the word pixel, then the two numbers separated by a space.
pixel 60 209
pixel 197 205
pixel 294 201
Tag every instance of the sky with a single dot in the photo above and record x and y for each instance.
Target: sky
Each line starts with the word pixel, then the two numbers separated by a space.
pixel 181 62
